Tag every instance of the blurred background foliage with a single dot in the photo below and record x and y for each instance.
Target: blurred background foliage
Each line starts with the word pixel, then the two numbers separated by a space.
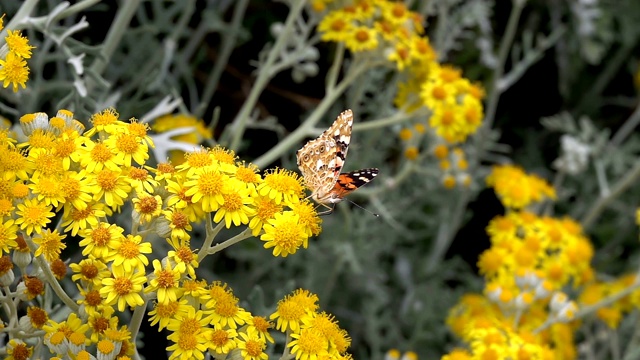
pixel 574 69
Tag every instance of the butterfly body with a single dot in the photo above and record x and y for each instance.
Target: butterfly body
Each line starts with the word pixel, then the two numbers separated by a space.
pixel 321 161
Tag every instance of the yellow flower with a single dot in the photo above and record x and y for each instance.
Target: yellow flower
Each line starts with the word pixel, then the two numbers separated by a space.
pixel 50 244
pixel 335 26
pixel 221 340
pixel 14 70
pixel 308 344
pixel 33 216
pixel 101 240
pixel 146 207
pixel 206 187
pixel 284 234
pixel 127 148
pixel 293 309
pixel 76 220
pixel 106 121
pixel 362 38
pixel 235 206
pixel 18 44
pixel 164 282
pixel 226 312
pixel 187 345
pixel 163 313
pixel 129 253
pixel 266 208
pixel 308 218
pixel 8 235
pixel 282 185
pixel 90 271
pixel 18 350
pixel 111 187
pixel 123 288
pixel 96 156
pixel 262 326
pixel 251 346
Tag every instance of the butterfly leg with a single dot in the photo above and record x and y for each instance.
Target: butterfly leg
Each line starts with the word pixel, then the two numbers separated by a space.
pixel 327 212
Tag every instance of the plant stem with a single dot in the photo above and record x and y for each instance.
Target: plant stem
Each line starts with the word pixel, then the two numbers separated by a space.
pixel 51 279
pixel 598 207
pixel 234 240
pixel 228 43
pixel 301 132
pixel 117 30
pixel 265 74
pixel 211 234
pixel 137 317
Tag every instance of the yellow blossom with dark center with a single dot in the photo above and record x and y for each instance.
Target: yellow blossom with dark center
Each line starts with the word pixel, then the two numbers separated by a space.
pixel 123 288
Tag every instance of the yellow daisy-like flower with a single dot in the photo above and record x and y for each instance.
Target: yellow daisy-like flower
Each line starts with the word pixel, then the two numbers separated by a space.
pixel 293 309
pixel 33 216
pixel 308 217
pixel 14 70
pixel 206 187
pixel 111 187
pixel 146 207
pixel 226 312
pixel 261 325
pixel 335 26
pixel 164 282
pixel 185 260
pixel 50 244
pixel 100 241
pixel 18 44
pixel 123 288
pixel 127 148
pixel 221 340
pixel 163 313
pixel 96 156
pixel 129 253
pixel 362 38
pixel 284 234
pixel 76 220
pixel 265 209
pixel 106 120
pixel 18 350
pixel 235 207
pixel 8 235
pixel 251 346
pixel 187 345
pixel 308 344
pixel 282 185
pixel 89 271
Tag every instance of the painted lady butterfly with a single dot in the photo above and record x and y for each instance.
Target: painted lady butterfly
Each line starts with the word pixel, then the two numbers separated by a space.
pixel 321 160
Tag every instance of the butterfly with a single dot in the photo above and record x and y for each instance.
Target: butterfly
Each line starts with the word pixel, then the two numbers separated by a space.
pixel 320 162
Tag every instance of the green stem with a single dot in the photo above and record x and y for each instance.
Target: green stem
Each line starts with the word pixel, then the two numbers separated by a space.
pixel 24 12
pixel 397 118
pixel 117 30
pixel 334 71
pixel 503 53
pixel 264 75
pixel 234 240
pixel 211 234
pixel 51 279
pixel 228 43
pixel 303 130
pixel 598 207
pixel 137 317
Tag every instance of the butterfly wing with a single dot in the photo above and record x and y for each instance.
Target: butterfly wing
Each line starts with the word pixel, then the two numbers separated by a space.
pixel 321 160
pixel 350 182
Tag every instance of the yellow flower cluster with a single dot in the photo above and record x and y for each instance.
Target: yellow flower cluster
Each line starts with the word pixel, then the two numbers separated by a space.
pixel 516 189
pixel 523 312
pixel 82 178
pixel 315 335
pixel 13 66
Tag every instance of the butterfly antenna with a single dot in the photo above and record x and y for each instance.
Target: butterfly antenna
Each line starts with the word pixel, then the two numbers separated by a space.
pixel 367 210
